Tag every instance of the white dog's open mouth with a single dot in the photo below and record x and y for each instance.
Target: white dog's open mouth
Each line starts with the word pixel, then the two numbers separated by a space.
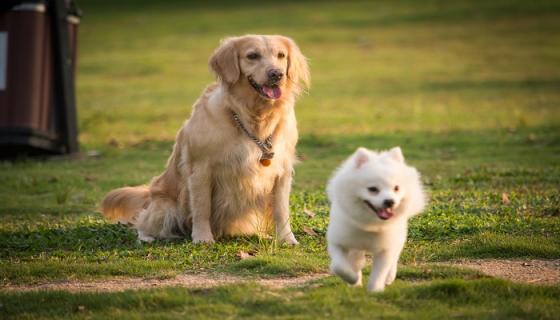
pixel 267 91
pixel 382 213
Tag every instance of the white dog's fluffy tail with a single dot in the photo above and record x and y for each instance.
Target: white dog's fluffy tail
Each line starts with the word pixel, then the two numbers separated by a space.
pixel 124 204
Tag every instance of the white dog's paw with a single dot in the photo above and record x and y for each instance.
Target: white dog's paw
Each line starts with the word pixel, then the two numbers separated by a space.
pixel 390 278
pixel 142 237
pixel 358 283
pixel 346 274
pixel 289 239
pixel 374 287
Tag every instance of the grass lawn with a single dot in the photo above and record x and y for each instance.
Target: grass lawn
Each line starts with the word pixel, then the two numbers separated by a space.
pixel 469 89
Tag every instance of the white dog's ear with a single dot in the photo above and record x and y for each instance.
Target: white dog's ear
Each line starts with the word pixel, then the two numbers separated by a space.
pixel 396 154
pixel 225 61
pixel 361 156
pixel 298 69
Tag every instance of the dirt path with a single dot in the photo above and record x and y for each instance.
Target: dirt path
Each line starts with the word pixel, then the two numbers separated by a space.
pixel 526 271
pixel 197 281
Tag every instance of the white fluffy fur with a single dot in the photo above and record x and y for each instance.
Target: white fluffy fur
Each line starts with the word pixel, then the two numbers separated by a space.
pixel 355 228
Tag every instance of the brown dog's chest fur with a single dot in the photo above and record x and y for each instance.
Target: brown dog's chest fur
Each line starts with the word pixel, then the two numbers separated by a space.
pixel 241 187
pixel 251 184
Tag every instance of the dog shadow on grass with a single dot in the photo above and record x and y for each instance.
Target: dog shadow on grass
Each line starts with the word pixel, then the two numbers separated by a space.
pixel 83 237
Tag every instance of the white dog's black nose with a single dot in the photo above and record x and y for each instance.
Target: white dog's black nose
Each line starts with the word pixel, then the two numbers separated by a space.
pixel 275 75
pixel 388 203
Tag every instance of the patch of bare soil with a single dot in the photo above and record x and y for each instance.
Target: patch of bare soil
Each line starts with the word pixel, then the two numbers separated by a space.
pixel 525 271
pixel 198 281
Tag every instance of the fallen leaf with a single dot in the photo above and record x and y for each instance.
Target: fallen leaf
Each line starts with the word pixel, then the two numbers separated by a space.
pixel 90 178
pixel 505 198
pixel 244 255
pixel 114 143
pixel 309 231
pixel 309 213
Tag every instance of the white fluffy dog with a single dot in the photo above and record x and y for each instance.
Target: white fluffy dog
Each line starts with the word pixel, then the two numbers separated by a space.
pixel 372 197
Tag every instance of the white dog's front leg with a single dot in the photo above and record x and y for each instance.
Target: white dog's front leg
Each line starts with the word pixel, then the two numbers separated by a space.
pixel 395 254
pixel 341 266
pixel 357 260
pixel 392 274
pixel 382 263
pixel 200 204
pixel 282 209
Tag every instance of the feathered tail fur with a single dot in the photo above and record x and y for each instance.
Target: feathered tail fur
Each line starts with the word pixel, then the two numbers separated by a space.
pixel 124 204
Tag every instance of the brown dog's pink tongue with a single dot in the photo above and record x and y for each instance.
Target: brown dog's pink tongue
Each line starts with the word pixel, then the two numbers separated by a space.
pixel 272 93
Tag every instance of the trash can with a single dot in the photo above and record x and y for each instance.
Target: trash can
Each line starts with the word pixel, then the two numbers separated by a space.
pixel 38 41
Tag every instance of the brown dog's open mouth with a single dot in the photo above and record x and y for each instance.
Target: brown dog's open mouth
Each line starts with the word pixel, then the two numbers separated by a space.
pixel 267 91
pixel 382 213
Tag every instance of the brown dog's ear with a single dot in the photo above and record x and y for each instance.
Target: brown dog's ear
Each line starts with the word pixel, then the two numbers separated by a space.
pixel 225 61
pixel 298 69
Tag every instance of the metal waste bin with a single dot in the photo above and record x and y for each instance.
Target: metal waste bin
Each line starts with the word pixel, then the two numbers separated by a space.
pixel 38 41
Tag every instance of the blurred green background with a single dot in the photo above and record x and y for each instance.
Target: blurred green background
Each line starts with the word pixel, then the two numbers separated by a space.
pixel 377 66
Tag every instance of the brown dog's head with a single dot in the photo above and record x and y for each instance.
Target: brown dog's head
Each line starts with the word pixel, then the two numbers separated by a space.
pixel 271 66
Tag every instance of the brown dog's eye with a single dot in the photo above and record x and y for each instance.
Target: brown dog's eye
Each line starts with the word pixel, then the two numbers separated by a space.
pixel 253 56
pixel 281 55
pixel 373 189
pixel 396 188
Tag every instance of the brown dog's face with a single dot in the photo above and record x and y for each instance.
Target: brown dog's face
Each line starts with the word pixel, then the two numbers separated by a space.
pixel 272 66
pixel 264 62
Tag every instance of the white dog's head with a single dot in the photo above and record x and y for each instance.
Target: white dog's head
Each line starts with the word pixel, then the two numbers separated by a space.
pixel 378 186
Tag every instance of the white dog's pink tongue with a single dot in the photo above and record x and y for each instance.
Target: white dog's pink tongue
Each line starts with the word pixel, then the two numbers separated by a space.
pixel 272 93
pixel 384 214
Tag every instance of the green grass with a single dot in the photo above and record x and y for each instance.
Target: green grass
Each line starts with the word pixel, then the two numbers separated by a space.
pixel 450 294
pixel 470 90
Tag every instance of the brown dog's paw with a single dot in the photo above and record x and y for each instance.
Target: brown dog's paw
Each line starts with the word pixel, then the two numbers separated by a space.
pixel 202 237
pixel 290 240
pixel 207 241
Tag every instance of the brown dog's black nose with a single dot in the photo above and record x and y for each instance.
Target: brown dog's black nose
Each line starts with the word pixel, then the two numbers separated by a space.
pixel 275 75
pixel 388 203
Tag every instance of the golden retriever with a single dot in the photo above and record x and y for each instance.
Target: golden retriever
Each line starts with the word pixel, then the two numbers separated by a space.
pixel 231 168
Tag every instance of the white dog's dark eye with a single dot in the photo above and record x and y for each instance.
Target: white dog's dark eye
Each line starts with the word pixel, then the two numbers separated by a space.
pixel 281 55
pixel 373 189
pixel 253 56
pixel 396 188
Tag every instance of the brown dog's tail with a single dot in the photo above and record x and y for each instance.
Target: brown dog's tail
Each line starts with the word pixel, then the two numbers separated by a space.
pixel 124 204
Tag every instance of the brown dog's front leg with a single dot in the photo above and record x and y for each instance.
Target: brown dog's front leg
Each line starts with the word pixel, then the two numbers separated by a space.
pixel 282 209
pixel 200 204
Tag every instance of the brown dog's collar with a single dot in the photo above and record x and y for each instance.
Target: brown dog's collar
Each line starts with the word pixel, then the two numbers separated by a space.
pixel 265 146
